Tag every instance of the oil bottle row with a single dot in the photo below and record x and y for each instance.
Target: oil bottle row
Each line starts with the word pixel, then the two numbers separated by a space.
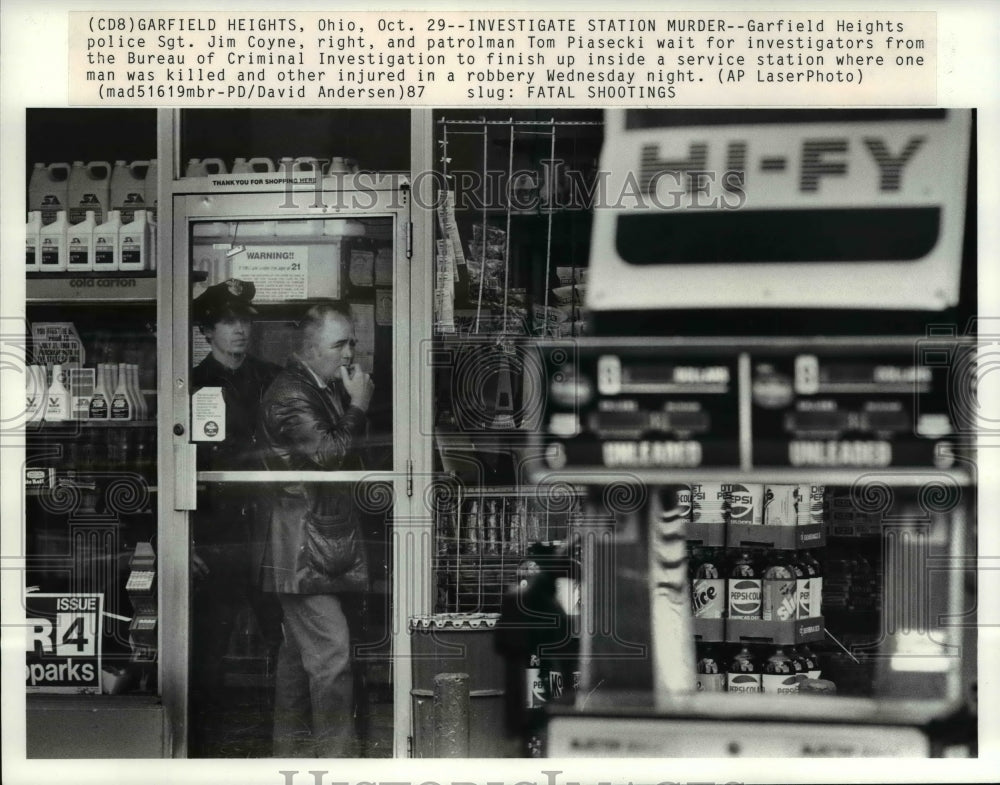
pixel 109 392
pixel 94 186
pixel 90 246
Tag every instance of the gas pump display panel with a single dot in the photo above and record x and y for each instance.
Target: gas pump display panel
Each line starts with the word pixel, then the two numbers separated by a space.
pixel 646 405
pixel 844 409
pixel 638 407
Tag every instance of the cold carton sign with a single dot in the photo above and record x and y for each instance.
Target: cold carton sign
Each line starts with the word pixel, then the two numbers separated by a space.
pixel 63 642
pixel 766 208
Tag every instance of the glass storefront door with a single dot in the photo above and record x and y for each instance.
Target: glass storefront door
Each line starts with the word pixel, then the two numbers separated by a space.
pixel 289 351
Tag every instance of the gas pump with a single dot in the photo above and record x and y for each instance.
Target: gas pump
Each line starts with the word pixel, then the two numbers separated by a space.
pixel 784 309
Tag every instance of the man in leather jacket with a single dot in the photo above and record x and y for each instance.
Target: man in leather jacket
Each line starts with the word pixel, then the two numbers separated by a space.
pixel 313 418
pixel 227 537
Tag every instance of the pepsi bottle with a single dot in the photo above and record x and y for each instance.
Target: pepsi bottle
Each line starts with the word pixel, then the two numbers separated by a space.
pixel 707 585
pixel 710 676
pixel 743 588
pixel 779 677
pixel 779 588
pixel 744 673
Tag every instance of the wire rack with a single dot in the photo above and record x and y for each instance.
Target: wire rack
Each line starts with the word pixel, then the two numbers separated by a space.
pixel 544 190
pixel 484 536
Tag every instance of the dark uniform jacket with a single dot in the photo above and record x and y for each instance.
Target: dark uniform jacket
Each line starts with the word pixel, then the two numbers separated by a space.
pixel 228 530
pixel 314 544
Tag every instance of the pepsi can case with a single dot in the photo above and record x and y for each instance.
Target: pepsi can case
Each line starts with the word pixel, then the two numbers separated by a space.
pixel 744 673
pixel 809 504
pixel 708 503
pixel 684 502
pixel 780 505
pixel 744 503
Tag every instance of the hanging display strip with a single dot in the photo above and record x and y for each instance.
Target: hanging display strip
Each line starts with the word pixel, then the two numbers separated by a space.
pixel 649 408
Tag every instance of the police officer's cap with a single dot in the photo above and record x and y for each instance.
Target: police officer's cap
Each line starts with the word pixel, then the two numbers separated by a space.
pixel 229 298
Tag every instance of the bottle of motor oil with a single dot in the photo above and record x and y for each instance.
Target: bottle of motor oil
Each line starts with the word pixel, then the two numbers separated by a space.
pixel 744 673
pixel 57 398
pixel 779 586
pixel 32 240
pixel 80 241
pixel 204 167
pixel 100 401
pixel 122 405
pixel 779 677
pixel 258 165
pixel 133 243
pixel 128 188
pixel 743 588
pixel 48 190
pixel 52 242
pixel 35 389
pixel 106 248
pixel 89 189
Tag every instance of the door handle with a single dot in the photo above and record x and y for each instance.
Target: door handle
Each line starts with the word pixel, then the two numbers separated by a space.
pixel 185 476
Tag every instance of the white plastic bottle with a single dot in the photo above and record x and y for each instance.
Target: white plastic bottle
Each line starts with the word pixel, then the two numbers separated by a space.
pixel 100 401
pixel 32 240
pixel 122 406
pixel 128 187
pixel 48 190
pixel 52 242
pixel 138 399
pixel 106 249
pixel 89 189
pixel 80 244
pixel 57 399
pixel 35 390
pixel 133 243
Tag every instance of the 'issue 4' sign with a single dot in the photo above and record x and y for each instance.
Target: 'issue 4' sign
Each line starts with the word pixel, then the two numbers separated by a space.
pixel 63 642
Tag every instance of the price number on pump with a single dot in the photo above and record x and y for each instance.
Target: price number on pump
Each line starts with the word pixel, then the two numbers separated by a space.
pixel 609 374
pixel 806 374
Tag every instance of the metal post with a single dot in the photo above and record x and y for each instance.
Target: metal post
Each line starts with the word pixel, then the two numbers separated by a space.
pixel 451 715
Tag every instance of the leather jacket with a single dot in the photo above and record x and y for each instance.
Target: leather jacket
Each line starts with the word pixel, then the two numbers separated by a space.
pixel 315 543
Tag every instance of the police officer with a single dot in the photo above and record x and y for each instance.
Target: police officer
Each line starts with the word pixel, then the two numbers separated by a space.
pixel 227 535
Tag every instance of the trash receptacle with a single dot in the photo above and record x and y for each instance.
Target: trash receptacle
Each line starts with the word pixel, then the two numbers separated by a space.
pixel 458 643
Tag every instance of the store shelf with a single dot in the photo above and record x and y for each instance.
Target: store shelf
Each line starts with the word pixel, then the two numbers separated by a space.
pixel 65 426
pixel 893 476
pixel 712 535
pixel 709 630
pixel 790 632
pixel 91 288
pixel 782 537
